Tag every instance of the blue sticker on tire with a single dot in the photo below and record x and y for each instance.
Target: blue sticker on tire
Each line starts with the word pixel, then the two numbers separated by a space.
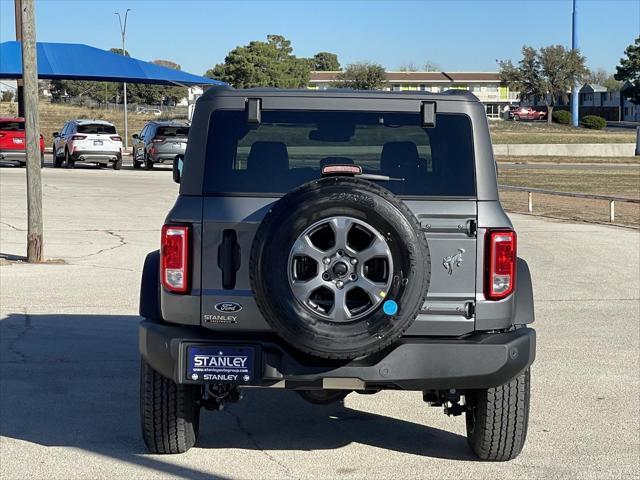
pixel 220 364
pixel 390 307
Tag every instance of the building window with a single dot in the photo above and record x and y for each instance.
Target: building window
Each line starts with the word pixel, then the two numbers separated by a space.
pixel 396 88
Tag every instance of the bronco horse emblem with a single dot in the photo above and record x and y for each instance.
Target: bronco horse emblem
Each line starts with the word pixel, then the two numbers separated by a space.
pixel 451 260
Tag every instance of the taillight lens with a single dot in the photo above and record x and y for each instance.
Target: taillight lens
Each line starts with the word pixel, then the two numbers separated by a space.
pixel 501 264
pixel 78 137
pixel 158 140
pixel 116 138
pixel 174 258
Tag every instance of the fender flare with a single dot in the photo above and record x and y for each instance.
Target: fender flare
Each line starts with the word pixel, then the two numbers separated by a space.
pixel 524 311
pixel 150 287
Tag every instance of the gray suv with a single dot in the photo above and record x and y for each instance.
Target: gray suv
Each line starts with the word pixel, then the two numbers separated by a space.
pixel 332 242
pixel 159 142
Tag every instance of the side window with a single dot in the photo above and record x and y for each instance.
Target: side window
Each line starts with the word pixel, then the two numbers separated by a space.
pixel 142 132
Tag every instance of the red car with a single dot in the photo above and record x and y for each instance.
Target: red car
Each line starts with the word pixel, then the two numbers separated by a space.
pixel 12 141
pixel 527 113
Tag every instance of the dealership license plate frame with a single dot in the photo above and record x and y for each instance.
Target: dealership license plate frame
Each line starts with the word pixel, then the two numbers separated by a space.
pixel 220 373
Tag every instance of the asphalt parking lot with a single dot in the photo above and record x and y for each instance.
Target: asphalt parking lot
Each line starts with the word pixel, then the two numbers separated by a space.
pixel 69 360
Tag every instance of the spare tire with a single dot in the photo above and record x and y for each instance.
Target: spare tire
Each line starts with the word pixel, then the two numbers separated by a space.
pixel 340 267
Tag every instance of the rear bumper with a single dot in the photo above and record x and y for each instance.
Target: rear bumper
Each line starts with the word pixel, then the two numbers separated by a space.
pixel 162 157
pixel 13 155
pixel 95 156
pixel 476 361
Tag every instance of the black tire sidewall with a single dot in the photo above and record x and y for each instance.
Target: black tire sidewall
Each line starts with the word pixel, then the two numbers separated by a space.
pixel 310 204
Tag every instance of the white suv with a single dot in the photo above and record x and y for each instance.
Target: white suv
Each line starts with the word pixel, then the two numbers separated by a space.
pixel 92 141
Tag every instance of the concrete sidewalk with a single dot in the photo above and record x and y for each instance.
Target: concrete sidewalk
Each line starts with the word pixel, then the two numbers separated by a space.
pixel 69 360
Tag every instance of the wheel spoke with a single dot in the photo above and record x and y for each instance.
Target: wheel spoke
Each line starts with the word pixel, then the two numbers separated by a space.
pixel 341 227
pixel 373 289
pixel 303 289
pixel 377 248
pixel 339 311
pixel 303 246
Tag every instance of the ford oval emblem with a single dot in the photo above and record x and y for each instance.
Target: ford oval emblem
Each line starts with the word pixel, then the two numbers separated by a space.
pixel 228 307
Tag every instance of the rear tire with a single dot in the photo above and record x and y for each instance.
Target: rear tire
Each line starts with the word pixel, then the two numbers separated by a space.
pixel 69 162
pixel 497 419
pixel 117 165
pixel 41 159
pixel 57 161
pixel 148 163
pixel 169 412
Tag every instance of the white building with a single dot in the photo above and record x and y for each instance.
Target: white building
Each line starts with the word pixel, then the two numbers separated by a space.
pixel 487 86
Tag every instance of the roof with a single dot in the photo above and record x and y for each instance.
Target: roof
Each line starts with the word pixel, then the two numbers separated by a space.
pixel 82 62
pixel 455 95
pixel 409 77
pixel 592 88
pixel 84 121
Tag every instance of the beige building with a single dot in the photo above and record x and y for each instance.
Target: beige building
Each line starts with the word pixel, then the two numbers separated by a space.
pixel 485 85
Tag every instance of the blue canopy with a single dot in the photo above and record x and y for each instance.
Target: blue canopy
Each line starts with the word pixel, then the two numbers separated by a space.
pixel 73 61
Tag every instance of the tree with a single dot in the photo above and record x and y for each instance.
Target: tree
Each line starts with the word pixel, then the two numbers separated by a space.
pixel 167 64
pixel 325 62
pixel 408 67
pixel 7 96
pixel 362 76
pixel 629 72
pixel 119 51
pixel 263 64
pixel 604 78
pixel 545 75
pixel 430 66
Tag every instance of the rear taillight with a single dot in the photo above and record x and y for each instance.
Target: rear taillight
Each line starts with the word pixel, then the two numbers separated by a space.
pixel 116 138
pixel 174 258
pixel 500 265
pixel 78 137
pixel 158 140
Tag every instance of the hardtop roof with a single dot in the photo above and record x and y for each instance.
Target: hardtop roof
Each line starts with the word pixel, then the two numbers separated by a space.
pixel 449 95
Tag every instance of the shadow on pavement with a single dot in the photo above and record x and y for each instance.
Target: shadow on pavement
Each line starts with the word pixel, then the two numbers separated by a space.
pixel 72 380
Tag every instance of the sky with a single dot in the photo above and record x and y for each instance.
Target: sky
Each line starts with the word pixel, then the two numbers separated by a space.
pixel 458 35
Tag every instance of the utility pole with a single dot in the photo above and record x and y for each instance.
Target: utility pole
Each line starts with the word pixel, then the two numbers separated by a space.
pixel 123 33
pixel 575 91
pixel 35 242
pixel 19 84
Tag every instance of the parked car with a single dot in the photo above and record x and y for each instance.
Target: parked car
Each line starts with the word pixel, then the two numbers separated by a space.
pixel 527 113
pixel 88 141
pixel 159 142
pixel 337 242
pixel 12 141
pixel 149 111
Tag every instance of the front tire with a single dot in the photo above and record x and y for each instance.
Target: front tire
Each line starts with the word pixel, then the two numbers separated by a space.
pixel 497 419
pixel 169 412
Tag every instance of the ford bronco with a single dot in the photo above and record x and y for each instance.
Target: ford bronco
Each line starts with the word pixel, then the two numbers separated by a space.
pixel 331 242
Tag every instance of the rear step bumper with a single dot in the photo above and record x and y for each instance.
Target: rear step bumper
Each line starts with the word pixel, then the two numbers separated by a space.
pixel 482 360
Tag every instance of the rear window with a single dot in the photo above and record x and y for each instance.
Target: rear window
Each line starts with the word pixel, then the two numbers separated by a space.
pixel 173 131
pixel 96 128
pixel 289 148
pixel 12 126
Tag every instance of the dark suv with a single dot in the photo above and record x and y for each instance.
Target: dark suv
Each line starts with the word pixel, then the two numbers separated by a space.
pixel 332 242
pixel 159 142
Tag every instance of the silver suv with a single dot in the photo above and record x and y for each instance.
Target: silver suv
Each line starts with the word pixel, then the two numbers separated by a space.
pixel 90 141
pixel 159 142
